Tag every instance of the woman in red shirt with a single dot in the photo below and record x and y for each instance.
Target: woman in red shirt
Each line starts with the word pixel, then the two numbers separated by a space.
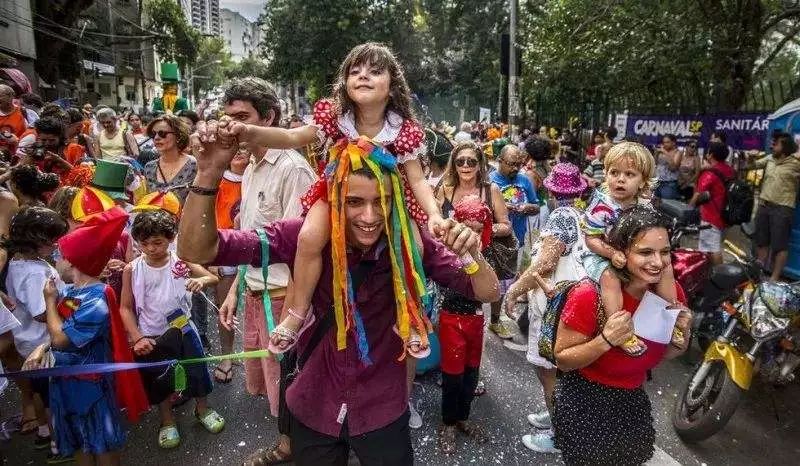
pixel 602 414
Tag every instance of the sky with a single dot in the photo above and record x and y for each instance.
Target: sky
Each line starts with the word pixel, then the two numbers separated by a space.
pixel 250 9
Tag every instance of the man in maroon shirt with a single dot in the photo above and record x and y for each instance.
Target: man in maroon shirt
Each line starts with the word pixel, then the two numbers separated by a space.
pixel 711 186
pixel 336 401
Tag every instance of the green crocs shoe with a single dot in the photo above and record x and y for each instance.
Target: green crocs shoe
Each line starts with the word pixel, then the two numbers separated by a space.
pixel 211 420
pixel 168 437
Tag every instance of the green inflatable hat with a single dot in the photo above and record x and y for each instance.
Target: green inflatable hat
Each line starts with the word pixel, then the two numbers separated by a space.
pixel 110 177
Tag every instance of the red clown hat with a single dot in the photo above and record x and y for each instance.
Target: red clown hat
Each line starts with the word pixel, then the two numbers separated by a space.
pixel 89 247
pixel 90 201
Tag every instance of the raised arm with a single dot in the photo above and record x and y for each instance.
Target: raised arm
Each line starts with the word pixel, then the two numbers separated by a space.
pixel 269 136
pixel 197 232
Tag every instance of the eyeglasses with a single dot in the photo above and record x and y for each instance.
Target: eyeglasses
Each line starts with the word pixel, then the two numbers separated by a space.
pixel 511 164
pixel 162 134
pixel 468 161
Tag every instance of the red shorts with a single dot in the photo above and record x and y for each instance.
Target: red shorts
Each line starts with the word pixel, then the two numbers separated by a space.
pixel 461 339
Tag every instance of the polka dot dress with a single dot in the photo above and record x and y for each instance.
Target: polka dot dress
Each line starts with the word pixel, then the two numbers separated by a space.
pixel 408 145
pixel 599 425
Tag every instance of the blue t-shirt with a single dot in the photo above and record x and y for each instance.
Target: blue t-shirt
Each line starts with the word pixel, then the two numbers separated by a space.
pixel 517 190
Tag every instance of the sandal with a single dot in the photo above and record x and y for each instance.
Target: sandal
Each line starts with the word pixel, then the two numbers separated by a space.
pixel 263 457
pixel 473 431
pixel 289 335
pixel 447 439
pixel 415 340
pixel 211 420
pixel 227 375
pixel 634 347
pixel 168 437
pixel 25 424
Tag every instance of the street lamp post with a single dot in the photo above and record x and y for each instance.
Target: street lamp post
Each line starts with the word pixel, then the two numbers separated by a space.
pixel 191 77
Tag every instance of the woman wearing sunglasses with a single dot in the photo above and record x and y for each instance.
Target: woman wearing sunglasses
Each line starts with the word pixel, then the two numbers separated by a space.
pixel 173 170
pixel 466 194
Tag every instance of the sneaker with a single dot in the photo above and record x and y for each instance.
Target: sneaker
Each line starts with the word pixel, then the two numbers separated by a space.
pixel 540 420
pixel 542 442
pixel 41 442
pixel 500 329
pixel 55 458
pixel 414 419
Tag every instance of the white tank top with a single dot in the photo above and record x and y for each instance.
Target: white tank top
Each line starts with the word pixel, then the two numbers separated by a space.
pixel 157 292
pixel 112 148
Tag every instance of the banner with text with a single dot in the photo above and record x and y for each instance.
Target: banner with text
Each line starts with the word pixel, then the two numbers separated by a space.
pixel 743 131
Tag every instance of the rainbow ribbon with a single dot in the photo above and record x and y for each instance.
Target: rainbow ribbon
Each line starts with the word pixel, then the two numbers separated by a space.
pixel 408 277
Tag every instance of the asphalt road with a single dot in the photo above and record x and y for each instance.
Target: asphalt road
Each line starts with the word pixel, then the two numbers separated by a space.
pixel 763 431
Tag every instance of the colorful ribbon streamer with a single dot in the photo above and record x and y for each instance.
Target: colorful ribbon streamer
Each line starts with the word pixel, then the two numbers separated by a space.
pixel 408 278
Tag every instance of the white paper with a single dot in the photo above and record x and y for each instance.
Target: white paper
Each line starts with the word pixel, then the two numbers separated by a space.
pixel 652 320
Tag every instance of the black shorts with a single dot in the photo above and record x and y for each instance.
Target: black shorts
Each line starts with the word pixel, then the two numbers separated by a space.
pixel 159 383
pixel 387 446
pixel 773 226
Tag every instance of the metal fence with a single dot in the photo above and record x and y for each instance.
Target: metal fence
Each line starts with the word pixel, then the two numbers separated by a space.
pixel 452 108
pixel 593 110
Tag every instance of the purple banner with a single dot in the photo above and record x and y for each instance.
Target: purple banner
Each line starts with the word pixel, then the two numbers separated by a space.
pixel 744 131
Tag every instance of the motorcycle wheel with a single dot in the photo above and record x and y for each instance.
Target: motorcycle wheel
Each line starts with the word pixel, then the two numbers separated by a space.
pixel 705 411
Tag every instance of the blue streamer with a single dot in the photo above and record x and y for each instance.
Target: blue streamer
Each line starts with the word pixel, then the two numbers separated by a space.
pixel 361 333
pixel 100 368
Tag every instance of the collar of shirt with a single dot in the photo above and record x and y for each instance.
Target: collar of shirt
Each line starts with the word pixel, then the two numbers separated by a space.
pixel 387 134
pixel 356 255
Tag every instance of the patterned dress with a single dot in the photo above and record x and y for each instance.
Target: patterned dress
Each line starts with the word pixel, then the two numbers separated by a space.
pixel 405 139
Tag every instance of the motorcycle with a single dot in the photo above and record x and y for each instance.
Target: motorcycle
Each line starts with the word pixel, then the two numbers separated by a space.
pixel 760 336
pixel 707 287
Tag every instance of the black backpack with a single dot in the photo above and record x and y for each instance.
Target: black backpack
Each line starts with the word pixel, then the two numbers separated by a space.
pixel 552 316
pixel 739 200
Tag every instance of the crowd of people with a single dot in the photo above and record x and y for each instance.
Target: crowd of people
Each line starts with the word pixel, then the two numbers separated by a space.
pixel 120 233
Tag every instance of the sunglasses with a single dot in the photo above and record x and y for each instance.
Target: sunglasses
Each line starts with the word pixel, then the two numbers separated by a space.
pixel 512 164
pixel 468 161
pixel 162 134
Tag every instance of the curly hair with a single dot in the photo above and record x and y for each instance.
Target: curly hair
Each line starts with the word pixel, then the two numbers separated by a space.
pixel 381 57
pixel 538 148
pixel 176 124
pixel 28 180
pixel 259 93
pixel 151 223
pixel 31 228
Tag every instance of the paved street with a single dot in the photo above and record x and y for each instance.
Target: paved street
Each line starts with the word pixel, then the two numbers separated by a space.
pixel 763 431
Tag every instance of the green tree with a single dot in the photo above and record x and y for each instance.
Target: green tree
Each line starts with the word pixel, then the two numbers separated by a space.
pixel 249 66
pixel 679 54
pixel 446 47
pixel 213 62
pixel 177 40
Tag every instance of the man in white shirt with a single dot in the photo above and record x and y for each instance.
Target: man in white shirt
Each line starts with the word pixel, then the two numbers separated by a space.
pixel 271 189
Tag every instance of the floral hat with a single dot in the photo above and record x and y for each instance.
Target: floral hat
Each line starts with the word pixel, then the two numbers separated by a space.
pixel 565 180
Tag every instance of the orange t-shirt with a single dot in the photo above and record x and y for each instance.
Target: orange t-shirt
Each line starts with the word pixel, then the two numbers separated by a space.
pixel 229 198
pixel 14 122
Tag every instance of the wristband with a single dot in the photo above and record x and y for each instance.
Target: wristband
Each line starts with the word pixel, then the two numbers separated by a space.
pixel 602 334
pixel 203 191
